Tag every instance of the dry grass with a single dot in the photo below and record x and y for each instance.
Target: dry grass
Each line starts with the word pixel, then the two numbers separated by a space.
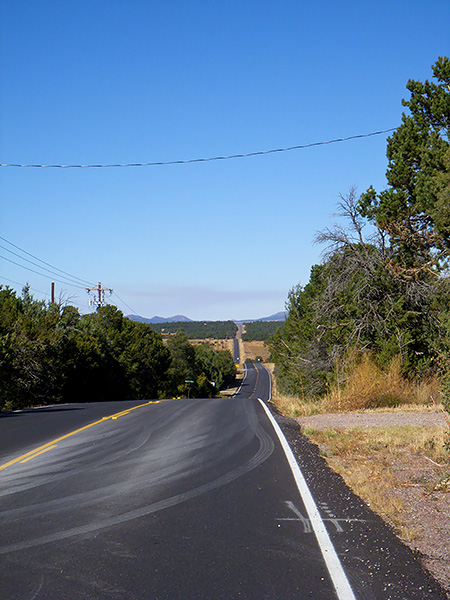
pixel 370 460
pixel 292 406
pixel 254 349
pixel 365 457
pixel 362 385
pixel 401 472
pixel 428 440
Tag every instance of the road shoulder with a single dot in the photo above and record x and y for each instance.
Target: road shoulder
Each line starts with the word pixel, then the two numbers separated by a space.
pixel 376 545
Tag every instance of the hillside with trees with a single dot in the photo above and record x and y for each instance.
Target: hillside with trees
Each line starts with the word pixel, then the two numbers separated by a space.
pixel 198 330
pixel 382 292
pixel 52 354
pixel 260 330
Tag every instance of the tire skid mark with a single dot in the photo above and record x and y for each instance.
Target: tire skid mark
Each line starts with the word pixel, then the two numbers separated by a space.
pixel 136 445
pixel 266 448
pixel 98 496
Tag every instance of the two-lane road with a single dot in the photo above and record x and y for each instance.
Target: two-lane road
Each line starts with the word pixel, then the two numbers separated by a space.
pixel 176 499
pixel 256 383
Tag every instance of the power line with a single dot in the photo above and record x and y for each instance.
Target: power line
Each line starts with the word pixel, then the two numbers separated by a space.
pixel 123 302
pixel 73 277
pixel 198 160
pixel 2 278
pixel 22 285
pixel 42 274
pixel 70 281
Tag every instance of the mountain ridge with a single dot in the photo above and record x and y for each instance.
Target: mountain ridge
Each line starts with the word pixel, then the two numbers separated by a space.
pixel 279 316
pixel 157 319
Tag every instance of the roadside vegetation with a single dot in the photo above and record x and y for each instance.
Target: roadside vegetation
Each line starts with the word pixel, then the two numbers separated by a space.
pixel 371 328
pixel 363 385
pixel 370 331
pixel 52 354
pixel 378 463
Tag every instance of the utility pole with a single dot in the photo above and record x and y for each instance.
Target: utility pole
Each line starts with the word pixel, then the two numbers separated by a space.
pixel 100 300
pixel 53 293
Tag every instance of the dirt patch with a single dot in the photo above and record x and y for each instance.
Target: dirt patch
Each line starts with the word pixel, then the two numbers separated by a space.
pixel 404 482
pixel 422 489
pixel 374 419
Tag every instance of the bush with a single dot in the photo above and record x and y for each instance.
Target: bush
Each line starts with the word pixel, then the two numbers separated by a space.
pixel 362 384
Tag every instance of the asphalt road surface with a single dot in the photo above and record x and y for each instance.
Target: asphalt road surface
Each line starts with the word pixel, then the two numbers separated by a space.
pixel 192 499
pixel 236 353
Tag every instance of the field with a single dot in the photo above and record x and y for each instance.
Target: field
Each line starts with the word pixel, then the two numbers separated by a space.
pixel 216 344
pixel 254 349
pixel 247 349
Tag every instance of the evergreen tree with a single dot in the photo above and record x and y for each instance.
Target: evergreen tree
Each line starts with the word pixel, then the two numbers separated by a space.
pixel 414 211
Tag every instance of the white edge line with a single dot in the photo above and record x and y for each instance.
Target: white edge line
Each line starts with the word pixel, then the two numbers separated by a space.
pixel 334 565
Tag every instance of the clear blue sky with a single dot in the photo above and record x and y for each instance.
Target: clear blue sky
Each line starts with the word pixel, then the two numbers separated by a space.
pixel 121 81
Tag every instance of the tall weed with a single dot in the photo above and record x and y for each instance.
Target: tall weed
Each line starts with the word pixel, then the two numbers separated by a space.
pixel 360 384
pixel 364 385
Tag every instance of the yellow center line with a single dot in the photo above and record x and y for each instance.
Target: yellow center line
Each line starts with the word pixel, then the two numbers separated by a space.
pixel 45 447
pixel 125 412
pixel 39 453
pixel 256 383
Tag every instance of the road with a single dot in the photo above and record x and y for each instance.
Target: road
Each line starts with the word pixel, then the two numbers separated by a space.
pixel 236 351
pixel 185 499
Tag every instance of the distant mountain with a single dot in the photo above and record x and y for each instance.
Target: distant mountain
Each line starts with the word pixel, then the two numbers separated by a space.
pixel 279 316
pixel 156 319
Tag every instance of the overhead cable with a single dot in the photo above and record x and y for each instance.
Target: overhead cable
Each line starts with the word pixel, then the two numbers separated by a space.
pixel 199 160
pixel 38 291
pixel 43 274
pixel 71 281
pixel 73 277
pixel 23 285
pixel 123 302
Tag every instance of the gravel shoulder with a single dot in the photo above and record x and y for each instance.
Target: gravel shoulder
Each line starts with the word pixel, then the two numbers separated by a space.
pixel 373 419
pixel 416 481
